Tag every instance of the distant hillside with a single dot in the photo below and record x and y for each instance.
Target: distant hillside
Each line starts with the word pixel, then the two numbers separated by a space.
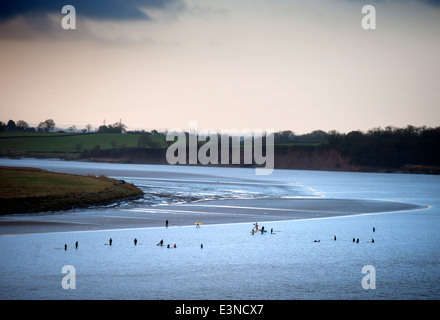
pixel 410 149
pixel 68 145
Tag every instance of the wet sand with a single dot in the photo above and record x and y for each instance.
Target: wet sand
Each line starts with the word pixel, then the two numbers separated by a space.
pixel 207 212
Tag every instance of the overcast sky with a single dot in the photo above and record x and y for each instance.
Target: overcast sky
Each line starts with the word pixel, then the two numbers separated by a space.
pixel 258 64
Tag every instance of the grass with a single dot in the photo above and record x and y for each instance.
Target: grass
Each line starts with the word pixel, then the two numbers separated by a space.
pixel 34 190
pixel 68 143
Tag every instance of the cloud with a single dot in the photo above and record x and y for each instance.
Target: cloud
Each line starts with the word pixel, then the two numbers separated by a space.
pixel 96 9
pixel 41 19
pixel 432 2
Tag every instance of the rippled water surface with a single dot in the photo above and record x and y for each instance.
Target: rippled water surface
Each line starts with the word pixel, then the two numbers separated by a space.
pixel 233 264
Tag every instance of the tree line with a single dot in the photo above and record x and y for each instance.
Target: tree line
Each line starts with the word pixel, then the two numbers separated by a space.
pixel 22 126
pixel 390 147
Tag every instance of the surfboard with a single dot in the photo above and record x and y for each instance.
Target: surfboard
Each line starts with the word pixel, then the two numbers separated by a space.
pixel 253 231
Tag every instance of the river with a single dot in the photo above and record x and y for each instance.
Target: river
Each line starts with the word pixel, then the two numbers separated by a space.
pixel 290 263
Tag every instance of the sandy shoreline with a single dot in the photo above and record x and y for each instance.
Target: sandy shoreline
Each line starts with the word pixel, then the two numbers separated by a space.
pixel 208 212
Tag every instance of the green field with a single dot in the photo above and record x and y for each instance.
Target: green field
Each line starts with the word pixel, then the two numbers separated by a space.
pixel 74 146
pixel 52 143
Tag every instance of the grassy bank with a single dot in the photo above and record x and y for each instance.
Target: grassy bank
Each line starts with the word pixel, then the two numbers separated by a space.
pixel 35 190
pixel 66 145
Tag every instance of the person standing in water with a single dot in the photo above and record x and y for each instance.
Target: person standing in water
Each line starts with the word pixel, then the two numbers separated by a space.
pixel 166 223
pixel 76 245
pixel 135 241
pixel 110 241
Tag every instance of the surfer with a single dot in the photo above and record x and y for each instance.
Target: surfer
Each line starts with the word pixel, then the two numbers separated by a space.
pixel 372 240
pixel 256 226
pixel 316 240
pixel 201 245
pixel 175 246
pixel 76 245
pixel 110 241
pixel 357 240
pixel 262 230
pixel 271 231
pixel 135 241
pixel 65 247
pixel 160 243
pixel 166 223
pixel 334 238
pixel 168 245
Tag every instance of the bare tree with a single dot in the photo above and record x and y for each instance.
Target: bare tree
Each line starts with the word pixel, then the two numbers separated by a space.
pixel 22 125
pixel 46 126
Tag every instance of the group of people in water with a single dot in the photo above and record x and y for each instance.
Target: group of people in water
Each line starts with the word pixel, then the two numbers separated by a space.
pixel 76 245
pixel 355 240
pixel 254 230
pixel 262 230
pixel 110 241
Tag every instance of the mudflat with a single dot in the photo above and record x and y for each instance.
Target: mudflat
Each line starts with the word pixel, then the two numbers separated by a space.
pixel 186 214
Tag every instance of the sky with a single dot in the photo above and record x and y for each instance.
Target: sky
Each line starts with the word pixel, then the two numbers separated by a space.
pixel 227 64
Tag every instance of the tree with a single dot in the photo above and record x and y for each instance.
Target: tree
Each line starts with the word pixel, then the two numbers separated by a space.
pixel 88 127
pixel 117 127
pixel 286 136
pixel 22 125
pixel 11 125
pixel 46 126
pixel 103 129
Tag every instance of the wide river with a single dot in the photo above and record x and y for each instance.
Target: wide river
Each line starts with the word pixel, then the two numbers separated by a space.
pixel 301 259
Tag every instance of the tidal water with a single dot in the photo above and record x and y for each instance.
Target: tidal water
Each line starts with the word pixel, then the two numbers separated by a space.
pixel 233 264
